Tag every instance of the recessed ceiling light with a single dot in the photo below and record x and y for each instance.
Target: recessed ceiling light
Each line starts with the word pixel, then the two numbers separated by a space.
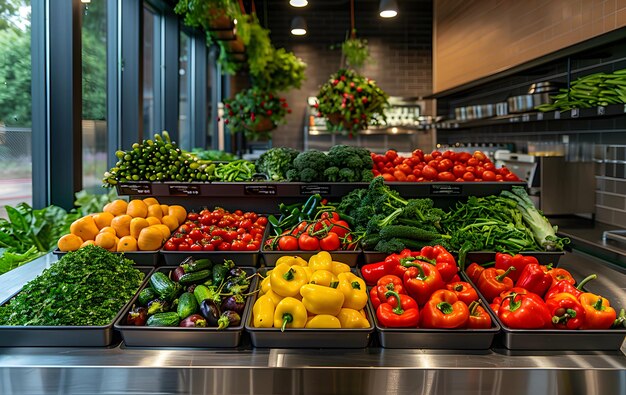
pixel 298 26
pixel 388 8
pixel 298 3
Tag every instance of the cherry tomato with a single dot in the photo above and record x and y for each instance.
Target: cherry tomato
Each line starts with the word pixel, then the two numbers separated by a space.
pixel 330 242
pixel 288 243
pixel 196 235
pixel 308 243
pixel 193 216
pixel 261 221
pixel 205 219
pixel 185 229
pixel 216 241
pixel 184 246
pixel 195 247
pixel 224 246
pixel 245 224
pixel 230 236
pixel 251 247
pixel 170 246
pixel 238 245
pixel 208 247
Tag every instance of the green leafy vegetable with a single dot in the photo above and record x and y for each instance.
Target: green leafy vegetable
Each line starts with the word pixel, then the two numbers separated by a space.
pixel 275 162
pixel 86 287
pixel 214 155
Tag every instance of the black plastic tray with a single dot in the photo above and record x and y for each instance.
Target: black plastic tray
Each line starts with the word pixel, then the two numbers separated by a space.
pixel 310 338
pixel 374 256
pixel 350 258
pixel 64 336
pixel 147 336
pixel 143 258
pixel 544 257
pixel 241 258
pixel 554 339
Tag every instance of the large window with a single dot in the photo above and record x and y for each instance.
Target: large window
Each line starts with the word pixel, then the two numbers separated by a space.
pixel 184 90
pixel 15 104
pixel 94 114
pixel 152 95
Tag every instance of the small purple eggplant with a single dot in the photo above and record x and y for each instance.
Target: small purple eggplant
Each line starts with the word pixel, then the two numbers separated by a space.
pixel 191 288
pixel 210 311
pixel 137 316
pixel 228 318
pixel 234 302
pixel 194 321
pixel 237 272
pixel 177 273
pixel 157 306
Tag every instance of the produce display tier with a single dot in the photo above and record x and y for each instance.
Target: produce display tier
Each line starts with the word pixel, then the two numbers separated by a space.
pixel 246 369
pixel 263 197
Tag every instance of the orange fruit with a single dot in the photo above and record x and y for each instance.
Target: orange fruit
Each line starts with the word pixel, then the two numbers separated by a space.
pixel 103 219
pixel 153 220
pixel 149 201
pixel 150 239
pixel 127 243
pixel 121 224
pixel 85 228
pixel 164 230
pixel 87 243
pixel 136 225
pixel 165 209
pixel 155 211
pixel 178 212
pixel 108 229
pixel 69 242
pixel 106 240
pixel 137 208
pixel 170 221
pixel 116 207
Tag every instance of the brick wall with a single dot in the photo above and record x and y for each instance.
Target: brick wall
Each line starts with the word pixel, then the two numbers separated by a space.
pixel 491 36
pixel 401 50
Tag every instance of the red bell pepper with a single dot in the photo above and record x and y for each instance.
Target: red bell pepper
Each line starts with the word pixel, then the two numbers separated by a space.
pixel 373 271
pixel 535 279
pixel 464 291
pixel 598 311
pixel 517 290
pixel 374 297
pixel 456 278
pixel 421 280
pixel 567 312
pixel 494 281
pixel 386 283
pixel 400 311
pixel 443 260
pixel 559 274
pixel 495 307
pixel 525 312
pixel 473 272
pixel 518 261
pixel 565 286
pixel 392 262
pixel 478 316
pixel 443 310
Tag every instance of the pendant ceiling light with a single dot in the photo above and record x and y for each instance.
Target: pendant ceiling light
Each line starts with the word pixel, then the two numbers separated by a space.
pixel 388 8
pixel 298 26
pixel 298 3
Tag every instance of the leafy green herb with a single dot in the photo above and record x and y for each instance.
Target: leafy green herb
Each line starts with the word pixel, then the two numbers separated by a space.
pixel 87 287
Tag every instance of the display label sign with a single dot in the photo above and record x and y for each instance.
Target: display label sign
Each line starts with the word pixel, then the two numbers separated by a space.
pixel 260 190
pixel 446 189
pixel 184 190
pixel 313 189
pixel 135 189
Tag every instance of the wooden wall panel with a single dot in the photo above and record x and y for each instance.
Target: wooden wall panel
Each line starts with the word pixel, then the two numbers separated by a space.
pixel 477 38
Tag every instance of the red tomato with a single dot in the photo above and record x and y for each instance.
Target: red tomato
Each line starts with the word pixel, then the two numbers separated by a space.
pixel 418 153
pixel 184 246
pixel 458 170
pixel 389 177
pixel 230 235
pixel 444 165
pixel 238 245
pixel 446 176
pixel 435 154
pixel 411 178
pixel 427 158
pixel 479 155
pixel 429 173
pixel 170 246
pixel 469 176
pixel 224 246
pixel 261 221
pixel 499 177
pixel 196 235
pixel 205 219
pixel 308 243
pixel 330 243
pixel 489 166
pixel 511 177
pixel 417 173
pixel 463 157
pixel 341 228
pixel 288 243
pixel 195 247
pixel 252 247
pixel 216 240
pixel 185 229
pixel 208 247
pixel 399 175
pixel 193 216
pixel 391 155
pixel 489 175
pixel 472 162
pixel 406 169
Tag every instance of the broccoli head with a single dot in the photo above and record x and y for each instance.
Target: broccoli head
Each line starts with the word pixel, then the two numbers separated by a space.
pixel 346 174
pixel 389 246
pixel 314 162
pixel 331 174
pixel 275 162
pixel 366 175
pixel 355 158
pixel 292 175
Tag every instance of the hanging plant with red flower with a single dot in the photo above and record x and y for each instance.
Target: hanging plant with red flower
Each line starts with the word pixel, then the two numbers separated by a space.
pixel 351 102
pixel 255 112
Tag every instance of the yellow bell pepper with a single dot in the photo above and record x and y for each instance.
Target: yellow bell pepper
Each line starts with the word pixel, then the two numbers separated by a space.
pixel 323 277
pixel 339 267
pixel 289 313
pixel 286 280
pixel 265 285
pixel 353 289
pixel 321 261
pixel 309 272
pixel 291 260
pixel 274 296
pixel 263 312
pixel 351 319
pixel 319 299
pixel 323 321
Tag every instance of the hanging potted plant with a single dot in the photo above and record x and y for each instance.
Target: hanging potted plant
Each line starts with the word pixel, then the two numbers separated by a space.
pixel 255 112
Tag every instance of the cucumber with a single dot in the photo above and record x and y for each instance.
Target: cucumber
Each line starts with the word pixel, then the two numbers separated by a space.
pixel 201 292
pixel 187 305
pixel 146 295
pixel 164 287
pixel 163 319
pixel 197 265
pixel 194 277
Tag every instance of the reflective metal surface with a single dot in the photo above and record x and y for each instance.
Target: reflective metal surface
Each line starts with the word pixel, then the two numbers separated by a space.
pixel 246 370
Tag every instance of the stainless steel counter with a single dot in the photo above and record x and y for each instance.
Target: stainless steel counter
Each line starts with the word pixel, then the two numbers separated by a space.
pixel 281 371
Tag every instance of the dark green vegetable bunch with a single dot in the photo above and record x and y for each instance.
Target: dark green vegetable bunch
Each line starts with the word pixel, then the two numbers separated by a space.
pixel 255 112
pixel 309 166
pixel 349 164
pixel 214 155
pixel 351 102
pixel 275 162
pixel 157 160
pixel 389 222
pixel 238 170
pixel 85 287
pixel 283 71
